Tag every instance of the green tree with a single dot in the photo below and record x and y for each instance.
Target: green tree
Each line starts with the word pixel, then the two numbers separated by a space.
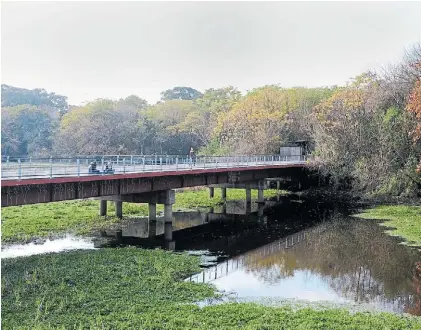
pixel 12 96
pixel 180 93
pixel 27 130
pixel 101 127
pixel 167 118
pixel 201 122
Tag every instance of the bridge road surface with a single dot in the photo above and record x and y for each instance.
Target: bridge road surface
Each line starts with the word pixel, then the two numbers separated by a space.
pixel 11 171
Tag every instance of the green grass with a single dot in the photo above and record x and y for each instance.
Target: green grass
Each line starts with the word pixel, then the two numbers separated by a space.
pixel 405 221
pixel 133 288
pixel 24 223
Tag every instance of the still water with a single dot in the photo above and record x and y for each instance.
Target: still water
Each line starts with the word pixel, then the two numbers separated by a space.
pixel 286 249
pixel 292 249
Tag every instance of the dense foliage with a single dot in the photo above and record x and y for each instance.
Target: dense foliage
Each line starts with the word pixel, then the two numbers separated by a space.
pixel 366 133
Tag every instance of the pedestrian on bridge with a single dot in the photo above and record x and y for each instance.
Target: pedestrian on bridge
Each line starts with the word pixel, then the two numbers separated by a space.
pixel 192 156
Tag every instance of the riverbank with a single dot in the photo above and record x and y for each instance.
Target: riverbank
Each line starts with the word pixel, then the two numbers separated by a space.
pixel 26 223
pixel 404 221
pixel 135 288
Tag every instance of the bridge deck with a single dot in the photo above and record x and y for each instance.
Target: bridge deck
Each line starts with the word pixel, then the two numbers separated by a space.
pixel 18 173
pixel 50 185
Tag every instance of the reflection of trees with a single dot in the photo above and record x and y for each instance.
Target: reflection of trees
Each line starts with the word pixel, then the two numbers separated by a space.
pixel 354 256
pixel 416 306
pixel 272 268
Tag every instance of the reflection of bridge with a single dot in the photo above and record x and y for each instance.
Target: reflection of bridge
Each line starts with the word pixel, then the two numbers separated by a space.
pixel 188 224
pixel 224 268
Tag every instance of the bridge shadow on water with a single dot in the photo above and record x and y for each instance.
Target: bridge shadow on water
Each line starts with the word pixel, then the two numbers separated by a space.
pixel 289 248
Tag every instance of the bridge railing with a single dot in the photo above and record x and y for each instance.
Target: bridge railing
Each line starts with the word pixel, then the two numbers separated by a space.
pixel 14 168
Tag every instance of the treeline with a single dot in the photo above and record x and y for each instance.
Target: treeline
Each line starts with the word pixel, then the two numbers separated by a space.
pixel 366 132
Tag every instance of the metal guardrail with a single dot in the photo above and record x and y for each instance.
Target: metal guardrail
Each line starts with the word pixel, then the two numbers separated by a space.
pixel 13 168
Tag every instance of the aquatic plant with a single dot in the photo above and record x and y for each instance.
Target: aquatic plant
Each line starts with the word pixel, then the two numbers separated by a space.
pixel 131 288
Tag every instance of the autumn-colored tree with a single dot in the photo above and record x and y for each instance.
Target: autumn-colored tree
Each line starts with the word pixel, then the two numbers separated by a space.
pixel 101 127
pixel 414 106
pixel 201 122
pixel 253 125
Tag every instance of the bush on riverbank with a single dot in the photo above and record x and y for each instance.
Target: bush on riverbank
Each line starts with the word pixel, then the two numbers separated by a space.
pixel 134 288
pixel 406 221
pixel 24 223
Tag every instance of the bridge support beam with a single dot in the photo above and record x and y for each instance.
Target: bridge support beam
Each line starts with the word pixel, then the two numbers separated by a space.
pixel 119 209
pixel 260 210
pixel 278 185
pixel 211 192
pixel 260 197
pixel 248 195
pixel 102 207
pixel 248 208
pixel 168 222
pixel 224 193
pixel 152 212
pixel 151 228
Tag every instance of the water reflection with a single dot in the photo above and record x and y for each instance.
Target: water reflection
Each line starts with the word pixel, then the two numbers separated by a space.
pixel 298 249
pixel 343 260
pixel 186 225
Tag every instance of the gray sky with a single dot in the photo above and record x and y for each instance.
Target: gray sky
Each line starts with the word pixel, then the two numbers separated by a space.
pixel 88 50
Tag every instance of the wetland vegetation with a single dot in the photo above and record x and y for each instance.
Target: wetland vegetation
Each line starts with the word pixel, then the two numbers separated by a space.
pixel 145 289
pixel 404 221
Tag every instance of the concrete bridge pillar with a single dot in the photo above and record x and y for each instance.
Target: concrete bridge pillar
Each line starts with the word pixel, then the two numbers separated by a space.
pixel 224 193
pixel 168 222
pixel 260 210
pixel 151 228
pixel 248 208
pixel 102 207
pixel 260 196
pixel 119 209
pixel 119 235
pixel 211 192
pixel 278 185
pixel 248 195
pixel 152 212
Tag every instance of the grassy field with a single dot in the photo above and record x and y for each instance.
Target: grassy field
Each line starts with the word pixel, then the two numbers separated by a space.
pixel 405 221
pixel 132 288
pixel 24 223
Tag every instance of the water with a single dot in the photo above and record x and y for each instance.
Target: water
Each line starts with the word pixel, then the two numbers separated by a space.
pixel 295 250
pixel 343 261
pixel 66 243
pixel 290 250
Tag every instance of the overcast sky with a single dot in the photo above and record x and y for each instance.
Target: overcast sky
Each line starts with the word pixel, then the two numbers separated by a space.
pixel 88 50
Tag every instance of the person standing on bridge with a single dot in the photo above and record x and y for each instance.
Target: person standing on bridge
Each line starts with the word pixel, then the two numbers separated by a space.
pixel 192 156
